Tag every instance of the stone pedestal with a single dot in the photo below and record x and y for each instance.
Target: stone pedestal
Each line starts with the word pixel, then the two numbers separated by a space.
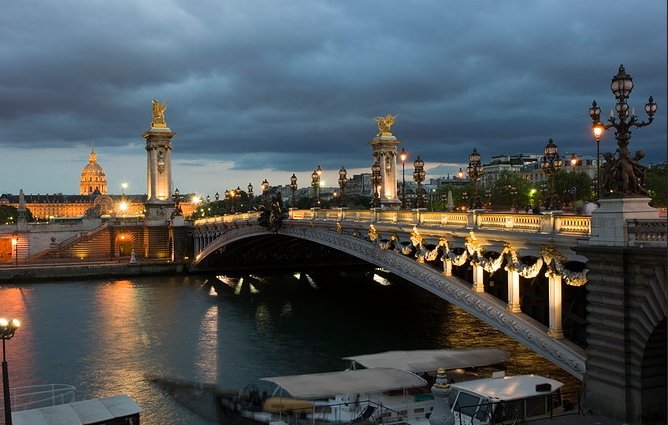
pixel 608 222
pixel 385 152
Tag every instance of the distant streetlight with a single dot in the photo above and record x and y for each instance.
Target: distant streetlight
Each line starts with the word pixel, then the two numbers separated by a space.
pixel 475 171
pixel 7 331
pixel 250 196
pixel 124 186
pixel 314 184
pixel 265 191
pixel 403 156
pixel 293 188
pixel 551 165
pixel 375 177
pixel 343 182
pixel 15 245
pixel 623 175
pixel 574 162
pixel 419 175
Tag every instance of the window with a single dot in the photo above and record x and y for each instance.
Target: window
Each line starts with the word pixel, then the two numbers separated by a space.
pixel 467 404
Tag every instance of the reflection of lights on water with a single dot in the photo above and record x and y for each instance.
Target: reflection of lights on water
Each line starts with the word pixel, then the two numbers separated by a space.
pixel 237 288
pixel 381 280
pixel 297 275
pixel 286 309
pixel 261 279
pixel 311 282
pixel 380 269
pixel 253 289
pixel 207 348
pixel 212 291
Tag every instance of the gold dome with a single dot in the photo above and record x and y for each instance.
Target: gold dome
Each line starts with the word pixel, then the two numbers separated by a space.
pixel 92 177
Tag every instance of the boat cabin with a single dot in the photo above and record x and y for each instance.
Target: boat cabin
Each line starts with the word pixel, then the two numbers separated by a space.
pixel 504 399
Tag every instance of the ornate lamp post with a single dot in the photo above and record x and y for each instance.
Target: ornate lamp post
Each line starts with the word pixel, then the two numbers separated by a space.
pixel 7 331
pixel 403 156
pixel 623 175
pixel 251 195
pixel 293 188
pixel 265 192
pixel 343 182
pixel 318 171
pixel 177 200
pixel 475 171
pixel 551 165
pixel 375 178
pixel 460 174
pixel 419 176
pixel 314 185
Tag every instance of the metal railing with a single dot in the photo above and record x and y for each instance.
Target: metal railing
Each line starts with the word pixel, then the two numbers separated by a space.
pixel 36 396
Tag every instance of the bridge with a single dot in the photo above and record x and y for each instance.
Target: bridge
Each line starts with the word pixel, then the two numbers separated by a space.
pixel 429 248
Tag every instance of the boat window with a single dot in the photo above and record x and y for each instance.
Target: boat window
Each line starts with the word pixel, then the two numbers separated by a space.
pixel 453 397
pixel 467 404
pixel 535 406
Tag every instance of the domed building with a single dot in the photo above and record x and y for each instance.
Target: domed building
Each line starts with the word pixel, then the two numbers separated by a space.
pixel 92 177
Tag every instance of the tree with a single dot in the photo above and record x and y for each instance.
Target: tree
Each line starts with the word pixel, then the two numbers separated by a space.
pixel 510 190
pixel 9 215
pixel 656 184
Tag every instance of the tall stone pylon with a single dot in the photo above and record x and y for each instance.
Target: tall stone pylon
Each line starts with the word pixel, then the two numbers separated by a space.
pixel 159 205
pixel 385 153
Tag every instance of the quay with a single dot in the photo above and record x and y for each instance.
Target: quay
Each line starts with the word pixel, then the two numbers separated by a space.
pixel 68 269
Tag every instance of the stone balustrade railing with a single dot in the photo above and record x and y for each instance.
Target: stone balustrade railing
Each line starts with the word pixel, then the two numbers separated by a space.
pixel 552 222
pixel 647 232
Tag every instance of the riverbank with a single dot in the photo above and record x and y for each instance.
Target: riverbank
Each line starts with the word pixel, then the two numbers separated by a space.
pixel 73 270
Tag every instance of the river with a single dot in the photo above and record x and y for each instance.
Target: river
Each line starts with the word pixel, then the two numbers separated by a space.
pixel 104 336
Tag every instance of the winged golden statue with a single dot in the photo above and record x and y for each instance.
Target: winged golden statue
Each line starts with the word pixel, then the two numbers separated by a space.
pixel 384 124
pixel 159 114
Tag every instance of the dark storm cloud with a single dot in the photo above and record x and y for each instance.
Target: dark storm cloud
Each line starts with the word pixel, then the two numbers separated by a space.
pixel 289 84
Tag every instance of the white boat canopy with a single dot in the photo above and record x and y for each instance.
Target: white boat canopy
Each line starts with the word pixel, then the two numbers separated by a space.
pixel 420 361
pixel 321 385
pixel 94 411
pixel 510 387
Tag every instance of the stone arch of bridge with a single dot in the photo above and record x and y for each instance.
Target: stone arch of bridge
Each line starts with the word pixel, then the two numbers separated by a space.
pixel 455 290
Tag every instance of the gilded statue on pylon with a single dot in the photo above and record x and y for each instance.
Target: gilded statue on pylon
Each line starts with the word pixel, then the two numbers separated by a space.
pixel 159 114
pixel 384 124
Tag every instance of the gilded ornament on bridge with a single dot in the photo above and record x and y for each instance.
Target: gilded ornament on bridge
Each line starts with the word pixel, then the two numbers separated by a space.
pixel 158 120
pixel 384 124
pixel 373 233
pixel 339 228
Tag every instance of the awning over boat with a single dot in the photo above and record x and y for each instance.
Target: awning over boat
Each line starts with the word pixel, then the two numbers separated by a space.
pixel 94 411
pixel 420 361
pixel 320 385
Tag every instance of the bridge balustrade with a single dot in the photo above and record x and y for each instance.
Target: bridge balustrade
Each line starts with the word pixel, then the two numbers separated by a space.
pixel 548 223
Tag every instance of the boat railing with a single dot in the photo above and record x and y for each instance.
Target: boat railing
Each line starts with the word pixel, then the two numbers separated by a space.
pixel 36 396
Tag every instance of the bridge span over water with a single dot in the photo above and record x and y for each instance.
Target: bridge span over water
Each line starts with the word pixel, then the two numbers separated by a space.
pixel 428 248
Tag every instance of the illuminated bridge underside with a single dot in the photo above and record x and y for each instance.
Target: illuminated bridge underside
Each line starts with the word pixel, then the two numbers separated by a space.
pixel 457 291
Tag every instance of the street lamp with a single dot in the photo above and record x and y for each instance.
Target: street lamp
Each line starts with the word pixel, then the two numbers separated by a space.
pixel 403 156
pixel 551 165
pixel 419 176
pixel 314 185
pixel 250 196
pixel 623 175
pixel 343 182
pixel 475 170
pixel 574 162
pixel 319 173
pixel 15 245
pixel 460 174
pixel 375 177
pixel 293 188
pixel 7 331
pixel 265 191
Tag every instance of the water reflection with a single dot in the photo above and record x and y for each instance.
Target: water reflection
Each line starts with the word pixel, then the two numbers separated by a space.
pixel 103 336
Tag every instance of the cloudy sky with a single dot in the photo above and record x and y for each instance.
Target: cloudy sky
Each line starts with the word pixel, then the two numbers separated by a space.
pixel 260 89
